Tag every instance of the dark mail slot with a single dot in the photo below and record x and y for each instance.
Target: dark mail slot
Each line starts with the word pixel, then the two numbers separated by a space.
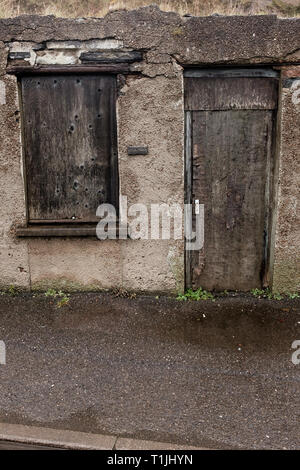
pixel 137 150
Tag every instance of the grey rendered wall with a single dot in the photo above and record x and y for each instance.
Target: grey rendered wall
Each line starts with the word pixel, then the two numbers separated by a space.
pixel 150 112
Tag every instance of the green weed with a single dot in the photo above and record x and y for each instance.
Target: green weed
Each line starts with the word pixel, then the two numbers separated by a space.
pixel 12 290
pixel 266 294
pixel 63 298
pixel 199 294
pixel 293 295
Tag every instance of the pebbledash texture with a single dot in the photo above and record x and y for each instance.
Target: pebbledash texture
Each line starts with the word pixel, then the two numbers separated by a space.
pixel 148 52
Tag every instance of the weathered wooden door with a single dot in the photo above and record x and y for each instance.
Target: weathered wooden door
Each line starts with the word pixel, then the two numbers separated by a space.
pixel 230 118
pixel 70 146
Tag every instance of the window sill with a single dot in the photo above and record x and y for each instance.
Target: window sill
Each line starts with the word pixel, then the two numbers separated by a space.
pixel 59 231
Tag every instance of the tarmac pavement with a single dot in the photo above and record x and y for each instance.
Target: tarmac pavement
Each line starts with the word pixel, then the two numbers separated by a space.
pixel 204 374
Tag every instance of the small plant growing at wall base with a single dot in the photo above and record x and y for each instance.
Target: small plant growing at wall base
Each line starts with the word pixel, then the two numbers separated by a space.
pixel 199 294
pixel 12 291
pixel 51 293
pixel 225 293
pixel 63 298
pixel 266 294
pixel 293 295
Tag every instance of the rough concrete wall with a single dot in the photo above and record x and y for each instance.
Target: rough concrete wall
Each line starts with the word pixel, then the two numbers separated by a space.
pixel 13 253
pixel 75 264
pixel 286 276
pixel 150 113
pixel 191 40
pixel 41 263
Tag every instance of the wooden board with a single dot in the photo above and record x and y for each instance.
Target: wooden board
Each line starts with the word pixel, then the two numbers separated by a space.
pixel 229 72
pixel 67 69
pixel 231 153
pixel 70 145
pixel 230 93
pixel 110 56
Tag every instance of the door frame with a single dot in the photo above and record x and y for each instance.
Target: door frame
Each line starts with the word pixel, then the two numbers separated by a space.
pixel 272 163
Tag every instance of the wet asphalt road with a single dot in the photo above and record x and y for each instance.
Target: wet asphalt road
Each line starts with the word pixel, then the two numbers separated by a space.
pixel 212 374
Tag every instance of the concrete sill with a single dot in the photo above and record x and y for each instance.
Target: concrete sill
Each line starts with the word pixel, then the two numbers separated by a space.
pixel 58 439
pixel 61 231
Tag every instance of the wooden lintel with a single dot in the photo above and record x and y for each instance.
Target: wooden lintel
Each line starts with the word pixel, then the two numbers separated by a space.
pixel 56 231
pixel 48 69
pixel 67 231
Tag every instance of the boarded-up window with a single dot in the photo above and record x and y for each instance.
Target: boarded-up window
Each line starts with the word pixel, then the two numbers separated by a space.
pixel 70 145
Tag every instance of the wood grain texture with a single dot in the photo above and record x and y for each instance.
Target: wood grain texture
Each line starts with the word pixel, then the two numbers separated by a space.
pixel 70 145
pixel 67 69
pixel 230 93
pixel 67 230
pixel 111 57
pixel 231 72
pixel 230 173
pixel 188 170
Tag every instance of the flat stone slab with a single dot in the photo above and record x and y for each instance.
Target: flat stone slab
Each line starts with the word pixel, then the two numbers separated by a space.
pixel 7 445
pixel 20 437
pixel 138 444
pixel 16 433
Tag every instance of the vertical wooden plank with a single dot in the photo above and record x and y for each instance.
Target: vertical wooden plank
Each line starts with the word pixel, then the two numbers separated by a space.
pixel 207 94
pixel 188 191
pixel 230 167
pixel 114 174
pixel 269 199
pixel 19 84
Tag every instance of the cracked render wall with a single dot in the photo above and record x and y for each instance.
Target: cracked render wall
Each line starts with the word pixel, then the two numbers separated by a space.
pixel 150 113
pixel 286 275
pixel 13 251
